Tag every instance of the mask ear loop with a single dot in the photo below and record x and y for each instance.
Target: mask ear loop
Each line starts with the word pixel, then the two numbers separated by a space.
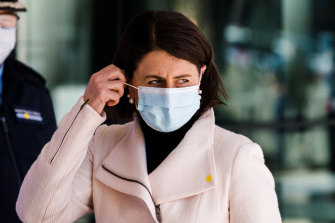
pixel 131 100
pixel 130 85
pixel 200 91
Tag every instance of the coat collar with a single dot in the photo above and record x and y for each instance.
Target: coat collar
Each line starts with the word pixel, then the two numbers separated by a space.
pixel 188 170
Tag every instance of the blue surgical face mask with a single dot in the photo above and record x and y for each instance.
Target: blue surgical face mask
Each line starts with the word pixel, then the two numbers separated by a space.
pixel 167 109
pixel 7 42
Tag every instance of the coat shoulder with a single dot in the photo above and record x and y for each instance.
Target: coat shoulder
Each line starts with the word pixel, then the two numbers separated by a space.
pixel 108 136
pixel 228 144
pixel 113 132
pixel 228 139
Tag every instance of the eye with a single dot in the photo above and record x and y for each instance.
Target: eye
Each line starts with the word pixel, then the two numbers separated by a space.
pixel 182 81
pixel 154 82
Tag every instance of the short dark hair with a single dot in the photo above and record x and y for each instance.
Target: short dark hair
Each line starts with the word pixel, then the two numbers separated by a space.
pixel 177 35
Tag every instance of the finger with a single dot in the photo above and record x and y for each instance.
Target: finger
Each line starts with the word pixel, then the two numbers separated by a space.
pixel 112 72
pixel 111 103
pixel 114 98
pixel 111 76
pixel 116 86
pixel 108 68
pixel 116 75
pixel 98 89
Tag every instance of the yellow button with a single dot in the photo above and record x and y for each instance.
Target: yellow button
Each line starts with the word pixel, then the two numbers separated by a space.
pixel 26 115
pixel 209 178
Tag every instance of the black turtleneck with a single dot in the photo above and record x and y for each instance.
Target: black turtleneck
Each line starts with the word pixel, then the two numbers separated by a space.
pixel 160 144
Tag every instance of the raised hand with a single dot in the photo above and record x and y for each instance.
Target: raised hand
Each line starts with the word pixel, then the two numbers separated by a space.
pixel 105 86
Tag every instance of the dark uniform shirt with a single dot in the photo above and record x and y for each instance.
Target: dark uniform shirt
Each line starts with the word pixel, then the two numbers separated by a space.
pixel 27 123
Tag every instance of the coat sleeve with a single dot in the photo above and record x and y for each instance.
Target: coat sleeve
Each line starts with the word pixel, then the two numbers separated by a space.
pixel 57 188
pixel 252 194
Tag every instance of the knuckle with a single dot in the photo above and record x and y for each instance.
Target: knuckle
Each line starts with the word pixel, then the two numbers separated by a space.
pixel 94 79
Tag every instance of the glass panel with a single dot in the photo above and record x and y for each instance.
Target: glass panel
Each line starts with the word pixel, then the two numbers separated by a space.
pixel 276 58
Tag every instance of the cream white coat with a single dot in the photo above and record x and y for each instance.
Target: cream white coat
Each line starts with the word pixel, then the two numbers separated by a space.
pixel 212 176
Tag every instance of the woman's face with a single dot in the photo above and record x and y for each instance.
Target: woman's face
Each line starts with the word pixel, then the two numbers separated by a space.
pixel 160 69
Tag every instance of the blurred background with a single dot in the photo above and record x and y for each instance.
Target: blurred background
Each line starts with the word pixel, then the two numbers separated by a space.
pixel 276 58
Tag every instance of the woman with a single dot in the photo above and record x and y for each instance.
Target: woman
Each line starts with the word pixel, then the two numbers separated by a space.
pixel 171 164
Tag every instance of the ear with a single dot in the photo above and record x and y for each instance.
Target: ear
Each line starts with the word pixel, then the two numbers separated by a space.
pixel 203 69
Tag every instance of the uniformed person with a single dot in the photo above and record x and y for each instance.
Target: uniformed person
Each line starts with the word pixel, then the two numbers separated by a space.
pixel 26 112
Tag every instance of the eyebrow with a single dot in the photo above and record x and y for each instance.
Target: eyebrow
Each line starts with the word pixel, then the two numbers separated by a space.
pixel 160 77
pixel 152 76
pixel 183 76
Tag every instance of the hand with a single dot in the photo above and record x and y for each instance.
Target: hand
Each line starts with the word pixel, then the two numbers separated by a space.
pixel 105 86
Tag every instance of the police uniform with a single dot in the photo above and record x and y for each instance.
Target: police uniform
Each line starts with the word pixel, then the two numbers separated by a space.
pixel 27 123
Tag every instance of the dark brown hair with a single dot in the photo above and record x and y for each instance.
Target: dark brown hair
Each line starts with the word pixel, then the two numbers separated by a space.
pixel 177 35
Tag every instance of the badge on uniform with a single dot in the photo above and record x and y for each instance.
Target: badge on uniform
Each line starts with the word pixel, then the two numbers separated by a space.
pixel 28 115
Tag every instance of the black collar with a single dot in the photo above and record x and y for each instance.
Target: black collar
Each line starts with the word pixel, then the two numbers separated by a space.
pixel 160 144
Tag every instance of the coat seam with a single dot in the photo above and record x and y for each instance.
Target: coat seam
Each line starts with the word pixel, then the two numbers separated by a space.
pixel 231 175
pixel 197 210
pixel 67 131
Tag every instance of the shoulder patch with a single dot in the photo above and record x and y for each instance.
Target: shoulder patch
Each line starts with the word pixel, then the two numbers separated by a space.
pixel 28 115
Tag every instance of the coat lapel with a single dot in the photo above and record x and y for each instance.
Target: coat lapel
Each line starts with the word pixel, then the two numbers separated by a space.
pixel 125 169
pixel 190 168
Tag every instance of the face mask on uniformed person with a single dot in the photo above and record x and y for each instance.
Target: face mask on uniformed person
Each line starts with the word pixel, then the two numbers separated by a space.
pixel 7 42
pixel 167 109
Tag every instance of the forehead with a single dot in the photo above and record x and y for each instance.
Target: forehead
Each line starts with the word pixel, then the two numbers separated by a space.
pixel 160 62
pixel 8 15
